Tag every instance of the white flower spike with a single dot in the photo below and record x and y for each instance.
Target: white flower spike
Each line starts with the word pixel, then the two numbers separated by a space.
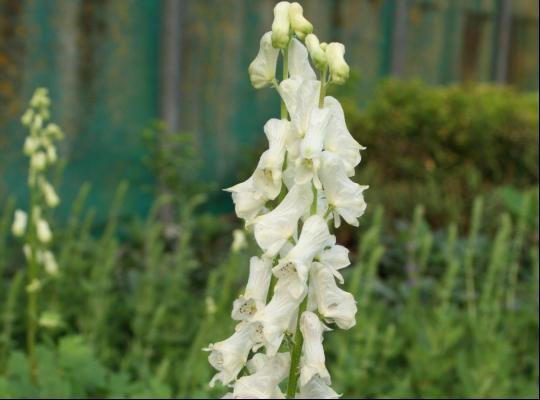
pixel 300 186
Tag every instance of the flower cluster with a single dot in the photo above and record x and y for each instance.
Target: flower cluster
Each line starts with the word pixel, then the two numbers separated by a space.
pixel 300 190
pixel 40 148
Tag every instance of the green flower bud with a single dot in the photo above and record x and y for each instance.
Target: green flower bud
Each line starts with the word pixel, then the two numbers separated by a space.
pixel 281 25
pixel 317 54
pixel 339 70
pixel 299 24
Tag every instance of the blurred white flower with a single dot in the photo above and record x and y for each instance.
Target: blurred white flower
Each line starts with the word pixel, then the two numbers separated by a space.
pixel 19 223
pixel 281 25
pixel 248 202
pixel 49 263
pixel 239 241
pixel 43 231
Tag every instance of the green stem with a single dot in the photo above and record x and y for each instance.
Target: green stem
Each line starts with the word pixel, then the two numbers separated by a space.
pixel 284 113
pixel 31 312
pixel 296 353
pixel 322 92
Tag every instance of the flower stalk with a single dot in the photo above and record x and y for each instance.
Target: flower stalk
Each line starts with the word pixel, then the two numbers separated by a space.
pixel 32 226
pixel 300 186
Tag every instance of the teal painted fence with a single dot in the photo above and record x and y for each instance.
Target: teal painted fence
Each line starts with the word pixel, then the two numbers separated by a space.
pixel 101 61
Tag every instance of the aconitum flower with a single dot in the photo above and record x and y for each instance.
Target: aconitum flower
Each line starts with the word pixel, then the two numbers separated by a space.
pixel 301 189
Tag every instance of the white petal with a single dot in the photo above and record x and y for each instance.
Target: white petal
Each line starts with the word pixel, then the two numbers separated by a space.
pixel 299 67
pixel 230 355
pixel 267 373
pixel 333 303
pixel 338 140
pixel 273 229
pixel 262 69
pixel 300 97
pixel 248 201
pixel 313 359
pixel 260 273
pixel 317 389
pixel 343 194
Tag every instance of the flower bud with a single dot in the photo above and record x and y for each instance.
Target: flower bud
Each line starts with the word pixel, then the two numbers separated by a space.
pixel 317 54
pixel 281 25
pixel 38 162
pixel 299 24
pixel 43 231
pixel 19 223
pixel 339 70
pixel 262 70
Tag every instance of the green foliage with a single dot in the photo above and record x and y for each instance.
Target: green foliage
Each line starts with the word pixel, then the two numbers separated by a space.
pixel 441 313
pixel 447 144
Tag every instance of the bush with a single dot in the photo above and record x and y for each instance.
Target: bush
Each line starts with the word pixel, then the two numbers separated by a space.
pixel 441 146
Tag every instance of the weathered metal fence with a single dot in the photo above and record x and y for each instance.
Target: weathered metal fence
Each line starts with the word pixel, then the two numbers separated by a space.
pixel 114 66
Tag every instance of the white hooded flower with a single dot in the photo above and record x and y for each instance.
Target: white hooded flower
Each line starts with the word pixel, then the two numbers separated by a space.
pixel 248 201
pixel 267 176
pixel 313 359
pixel 334 304
pixel 229 356
pixel 316 388
pixel 19 223
pixel 274 229
pixel 254 296
pixel 262 70
pixel 317 53
pixel 344 196
pixel 299 66
pixel 43 231
pixel 308 163
pixel 267 372
pixel 293 269
pixel 338 139
pixel 269 325
pixel 301 97
pixel 335 258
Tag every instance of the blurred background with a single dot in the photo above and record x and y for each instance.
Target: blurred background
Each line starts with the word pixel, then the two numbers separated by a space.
pixel 159 115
